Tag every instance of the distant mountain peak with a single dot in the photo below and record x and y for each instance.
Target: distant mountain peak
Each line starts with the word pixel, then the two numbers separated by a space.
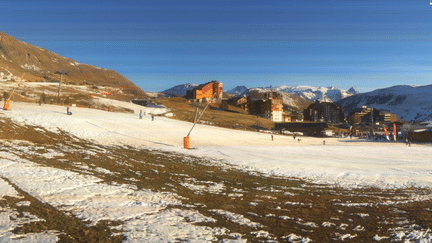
pixel 353 90
pixel 180 90
pixel 406 101
pixel 311 93
pixel 238 91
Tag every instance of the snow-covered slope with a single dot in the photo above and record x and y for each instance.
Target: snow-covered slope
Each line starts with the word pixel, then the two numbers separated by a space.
pixel 310 93
pixel 408 102
pixel 387 165
pixel 180 89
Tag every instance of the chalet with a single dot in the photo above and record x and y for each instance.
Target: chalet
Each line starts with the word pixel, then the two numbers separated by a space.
pixel 419 132
pixel 240 102
pixel 210 90
pixel 266 104
pixel 324 112
pixel 292 117
pixel 422 136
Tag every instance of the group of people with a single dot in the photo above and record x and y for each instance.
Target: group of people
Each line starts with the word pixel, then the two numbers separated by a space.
pixel 68 112
pixel 141 115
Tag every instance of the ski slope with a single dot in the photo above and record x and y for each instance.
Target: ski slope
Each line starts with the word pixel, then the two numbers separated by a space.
pixel 341 161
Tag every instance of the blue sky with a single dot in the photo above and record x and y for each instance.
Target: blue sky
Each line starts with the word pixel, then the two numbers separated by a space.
pixel 159 44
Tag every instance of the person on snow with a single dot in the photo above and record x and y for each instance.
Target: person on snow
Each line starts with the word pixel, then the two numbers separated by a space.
pixel 68 111
pixel 140 114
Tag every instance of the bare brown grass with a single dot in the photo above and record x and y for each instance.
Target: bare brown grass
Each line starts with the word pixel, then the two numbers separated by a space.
pixel 215 115
pixel 282 205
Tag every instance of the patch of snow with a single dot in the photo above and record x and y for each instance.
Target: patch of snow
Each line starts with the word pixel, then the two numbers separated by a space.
pixel 359 228
pixel 286 217
pixel 363 215
pixel 7 190
pixel 210 187
pixel 296 238
pixel 11 219
pixel 104 171
pixel 31 67
pixel 23 203
pixel 379 238
pixel 347 236
pixel 310 224
pixel 170 226
pixel 261 233
pixel 143 212
pixel 236 218
pixel 343 226
pixel 328 224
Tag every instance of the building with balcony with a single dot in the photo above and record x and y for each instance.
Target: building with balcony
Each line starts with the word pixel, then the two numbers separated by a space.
pixel 324 112
pixel 211 90
pixel 266 104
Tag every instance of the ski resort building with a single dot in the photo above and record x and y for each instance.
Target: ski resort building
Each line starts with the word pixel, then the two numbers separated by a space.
pixel 368 116
pixel 306 128
pixel 324 112
pixel 241 102
pixel 292 117
pixel 213 89
pixel 387 117
pixel 364 115
pixel 266 104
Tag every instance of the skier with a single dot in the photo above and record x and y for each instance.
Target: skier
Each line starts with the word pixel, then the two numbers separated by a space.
pixel 140 114
pixel 272 137
pixel 152 117
pixel 68 111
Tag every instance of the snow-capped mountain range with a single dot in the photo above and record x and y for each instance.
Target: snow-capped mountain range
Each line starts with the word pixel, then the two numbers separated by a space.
pixel 298 97
pixel 413 103
pixel 179 90
pixel 311 93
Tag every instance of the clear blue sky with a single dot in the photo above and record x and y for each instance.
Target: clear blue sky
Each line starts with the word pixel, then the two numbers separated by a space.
pixel 162 43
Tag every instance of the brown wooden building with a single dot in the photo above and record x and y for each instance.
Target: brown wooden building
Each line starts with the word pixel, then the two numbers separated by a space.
pixel 241 102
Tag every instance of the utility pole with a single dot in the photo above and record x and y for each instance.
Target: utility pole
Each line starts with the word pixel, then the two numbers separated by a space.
pixel 61 72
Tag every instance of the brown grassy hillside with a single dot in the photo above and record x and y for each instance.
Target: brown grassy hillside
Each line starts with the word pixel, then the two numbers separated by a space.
pixel 39 64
